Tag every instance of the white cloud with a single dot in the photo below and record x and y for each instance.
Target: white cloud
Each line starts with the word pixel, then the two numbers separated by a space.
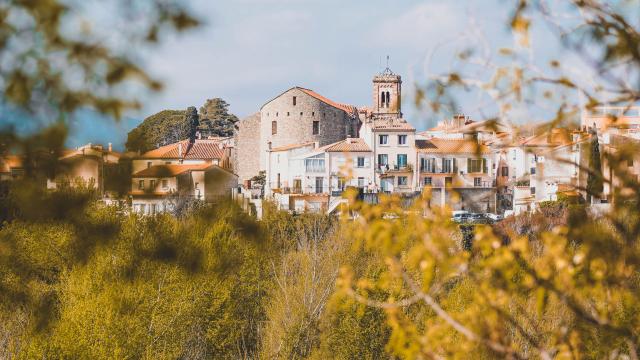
pixel 425 22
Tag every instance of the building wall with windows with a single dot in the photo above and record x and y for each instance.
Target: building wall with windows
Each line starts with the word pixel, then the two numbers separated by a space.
pixel 299 116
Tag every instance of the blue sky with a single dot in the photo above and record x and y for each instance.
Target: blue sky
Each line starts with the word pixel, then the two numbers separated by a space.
pixel 248 51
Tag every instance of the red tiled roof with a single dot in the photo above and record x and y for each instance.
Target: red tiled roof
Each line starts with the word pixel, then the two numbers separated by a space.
pixel 555 137
pixel 291 146
pixel 10 162
pixel 392 124
pixel 348 145
pixel 169 170
pixel 200 149
pixel 351 110
pixel 451 146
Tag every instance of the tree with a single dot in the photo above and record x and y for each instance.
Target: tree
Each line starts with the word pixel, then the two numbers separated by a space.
pixel 216 119
pixel 163 128
pixel 594 178
pixel 66 70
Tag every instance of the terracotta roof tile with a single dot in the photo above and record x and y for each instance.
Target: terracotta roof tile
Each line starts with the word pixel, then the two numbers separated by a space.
pixel 392 124
pixel 350 109
pixel 200 149
pixel 348 145
pixel 556 137
pixel 451 146
pixel 291 146
pixel 170 170
pixel 10 162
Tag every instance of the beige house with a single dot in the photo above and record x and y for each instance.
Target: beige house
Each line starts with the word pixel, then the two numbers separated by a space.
pixel 91 166
pixel 459 166
pixel 162 188
pixel 165 177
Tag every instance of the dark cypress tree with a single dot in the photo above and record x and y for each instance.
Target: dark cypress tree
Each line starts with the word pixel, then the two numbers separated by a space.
pixel 594 179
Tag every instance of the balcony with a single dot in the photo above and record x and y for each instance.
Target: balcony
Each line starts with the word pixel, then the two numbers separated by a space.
pixel 384 169
pixel 460 182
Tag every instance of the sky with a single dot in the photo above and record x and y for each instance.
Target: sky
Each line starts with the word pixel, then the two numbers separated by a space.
pixel 249 51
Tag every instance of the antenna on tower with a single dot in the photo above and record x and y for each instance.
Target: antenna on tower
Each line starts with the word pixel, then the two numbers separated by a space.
pixel 387 70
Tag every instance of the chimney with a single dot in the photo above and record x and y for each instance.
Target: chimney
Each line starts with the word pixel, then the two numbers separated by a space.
pixel 180 149
pixel 110 147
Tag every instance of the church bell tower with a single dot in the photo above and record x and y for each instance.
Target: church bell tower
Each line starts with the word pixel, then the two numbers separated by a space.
pixel 387 93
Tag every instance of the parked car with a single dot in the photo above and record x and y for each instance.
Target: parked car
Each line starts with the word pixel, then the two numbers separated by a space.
pixel 494 217
pixel 460 216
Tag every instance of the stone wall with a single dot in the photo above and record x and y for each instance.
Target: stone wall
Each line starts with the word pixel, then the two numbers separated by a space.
pixel 295 122
pixel 246 161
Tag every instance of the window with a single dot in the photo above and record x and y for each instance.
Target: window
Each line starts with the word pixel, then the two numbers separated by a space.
pixel 152 186
pixel 384 139
pixel 382 99
pixel 314 165
pixel 402 161
pixel 316 127
pixel 402 181
pixel 630 162
pixel 388 99
pixel 505 171
pixel 274 127
pixel 446 166
pixel 300 113
pixel 165 184
pixel 341 183
pixel 361 182
pixel 288 113
pixel 278 181
pixel 313 113
pixel 148 164
pixel 140 184
pixel 383 160
pixel 294 101
pixel 276 114
pixel 533 191
pixel 402 139
pixel 360 162
pixel 533 171
pixel 474 165
pixel 428 165
pixel 448 181
pixel 319 184
pixel 427 181
pixel 477 182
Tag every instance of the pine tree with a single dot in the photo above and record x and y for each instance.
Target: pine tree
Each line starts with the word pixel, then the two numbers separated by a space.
pixel 215 119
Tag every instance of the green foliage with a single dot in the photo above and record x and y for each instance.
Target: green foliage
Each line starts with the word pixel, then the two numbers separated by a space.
pixel 595 183
pixel 215 119
pixel 165 127
pixel 43 63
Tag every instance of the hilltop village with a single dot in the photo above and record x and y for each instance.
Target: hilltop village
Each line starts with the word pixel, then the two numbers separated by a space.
pixel 302 150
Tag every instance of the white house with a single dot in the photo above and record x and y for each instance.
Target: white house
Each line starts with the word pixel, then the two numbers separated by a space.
pixel 392 141
pixel 303 177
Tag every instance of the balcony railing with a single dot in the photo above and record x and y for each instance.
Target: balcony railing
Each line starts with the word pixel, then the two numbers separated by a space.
pixel 394 168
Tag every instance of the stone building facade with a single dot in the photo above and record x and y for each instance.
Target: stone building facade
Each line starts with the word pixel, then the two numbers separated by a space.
pixel 301 115
pixel 246 160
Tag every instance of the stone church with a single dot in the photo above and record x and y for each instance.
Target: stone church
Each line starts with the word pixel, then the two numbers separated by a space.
pixel 300 115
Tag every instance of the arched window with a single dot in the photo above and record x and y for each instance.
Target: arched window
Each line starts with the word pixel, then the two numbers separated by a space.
pixel 388 99
pixel 382 98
